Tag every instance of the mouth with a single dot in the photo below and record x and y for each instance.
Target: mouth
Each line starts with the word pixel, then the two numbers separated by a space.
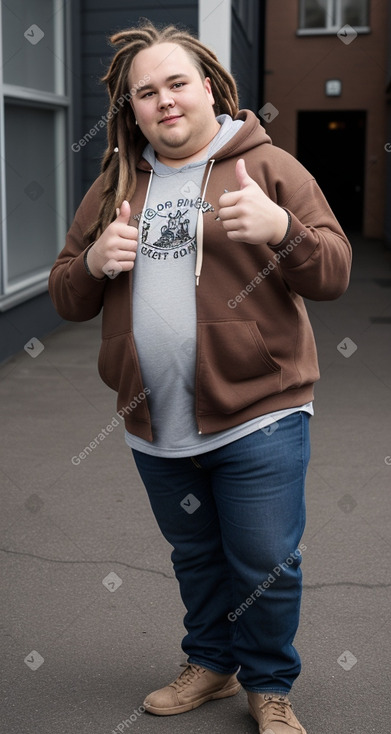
pixel 170 120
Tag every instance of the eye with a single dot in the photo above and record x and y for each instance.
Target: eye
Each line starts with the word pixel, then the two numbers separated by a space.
pixel 178 85
pixel 146 95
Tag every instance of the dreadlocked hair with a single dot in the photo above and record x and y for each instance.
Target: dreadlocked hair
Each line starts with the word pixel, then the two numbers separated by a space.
pixel 119 168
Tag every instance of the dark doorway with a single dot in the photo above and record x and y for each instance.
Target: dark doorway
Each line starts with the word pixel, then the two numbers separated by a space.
pixel 331 145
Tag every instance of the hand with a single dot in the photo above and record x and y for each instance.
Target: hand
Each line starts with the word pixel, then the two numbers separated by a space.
pixel 248 215
pixel 115 250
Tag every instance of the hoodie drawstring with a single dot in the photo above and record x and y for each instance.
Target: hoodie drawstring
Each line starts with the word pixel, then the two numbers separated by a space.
pixel 146 200
pixel 200 229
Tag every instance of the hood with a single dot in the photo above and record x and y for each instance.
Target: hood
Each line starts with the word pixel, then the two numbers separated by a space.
pixel 250 135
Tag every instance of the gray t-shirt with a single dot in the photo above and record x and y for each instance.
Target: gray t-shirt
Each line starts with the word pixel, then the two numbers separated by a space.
pixel 164 307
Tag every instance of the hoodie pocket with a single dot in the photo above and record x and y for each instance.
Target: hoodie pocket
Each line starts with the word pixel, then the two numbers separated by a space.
pixel 234 368
pixel 119 368
pixel 118 364
pixel 111 358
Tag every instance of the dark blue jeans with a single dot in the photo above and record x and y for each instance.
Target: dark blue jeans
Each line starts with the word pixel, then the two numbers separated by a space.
pixel 235 517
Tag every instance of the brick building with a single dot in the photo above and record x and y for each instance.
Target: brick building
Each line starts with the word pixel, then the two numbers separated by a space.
pixel 326 75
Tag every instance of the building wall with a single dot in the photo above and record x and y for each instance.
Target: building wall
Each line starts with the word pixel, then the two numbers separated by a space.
pixel 387 148
pixel 296 70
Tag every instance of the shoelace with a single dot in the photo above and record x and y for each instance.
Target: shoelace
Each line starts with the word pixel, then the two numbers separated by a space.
pixel 187 676
pixel 276 707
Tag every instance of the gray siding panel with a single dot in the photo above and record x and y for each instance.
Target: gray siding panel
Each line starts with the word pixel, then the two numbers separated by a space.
pixel 247 54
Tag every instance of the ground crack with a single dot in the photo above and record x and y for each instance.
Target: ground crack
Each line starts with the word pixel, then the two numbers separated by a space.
pixel 113 562
pixel 309 587
pixel 315 587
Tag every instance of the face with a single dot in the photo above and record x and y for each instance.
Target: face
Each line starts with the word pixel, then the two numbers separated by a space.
pixel 174 109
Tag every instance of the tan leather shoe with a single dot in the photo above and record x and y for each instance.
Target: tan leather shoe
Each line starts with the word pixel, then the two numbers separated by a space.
pixel 194 686
pixel 273 713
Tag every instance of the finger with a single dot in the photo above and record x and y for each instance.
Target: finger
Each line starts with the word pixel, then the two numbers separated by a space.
pixel 227 200
pixel 127 232
pixel 242 176
pixel 126 254
pixel 228 213
pixel 232 225
pixel 123 213
pixel 237 235
pixel 124 261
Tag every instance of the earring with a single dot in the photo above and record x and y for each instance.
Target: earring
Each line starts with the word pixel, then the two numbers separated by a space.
pixel 115 150
pixel 136 122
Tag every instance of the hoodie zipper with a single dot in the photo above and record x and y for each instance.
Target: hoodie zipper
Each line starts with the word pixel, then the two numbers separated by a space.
pixel 200 234
pixel 200 228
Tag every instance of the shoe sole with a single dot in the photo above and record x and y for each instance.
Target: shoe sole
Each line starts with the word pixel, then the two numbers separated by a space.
pixel 251 711
pixel 225 693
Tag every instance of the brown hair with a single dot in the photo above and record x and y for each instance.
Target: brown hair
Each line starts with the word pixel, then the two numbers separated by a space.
pixel 119 168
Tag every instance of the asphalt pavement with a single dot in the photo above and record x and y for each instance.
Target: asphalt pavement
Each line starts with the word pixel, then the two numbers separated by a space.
pixel 91 616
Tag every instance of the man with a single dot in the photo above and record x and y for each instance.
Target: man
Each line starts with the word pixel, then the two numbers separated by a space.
pixel 214 336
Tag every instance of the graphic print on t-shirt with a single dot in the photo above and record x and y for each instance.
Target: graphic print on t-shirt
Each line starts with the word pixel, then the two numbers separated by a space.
pixel 168 229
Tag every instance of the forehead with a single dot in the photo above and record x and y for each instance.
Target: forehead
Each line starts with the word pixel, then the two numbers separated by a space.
pixel 161 61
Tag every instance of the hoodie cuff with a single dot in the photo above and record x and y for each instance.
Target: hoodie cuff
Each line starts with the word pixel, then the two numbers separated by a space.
pixel 86 263
pixel 288 229
pixel 79 279
pixel 297 246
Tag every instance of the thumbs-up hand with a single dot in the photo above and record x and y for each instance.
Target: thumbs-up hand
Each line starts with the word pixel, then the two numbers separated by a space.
pixel 115 250
pixel 248 215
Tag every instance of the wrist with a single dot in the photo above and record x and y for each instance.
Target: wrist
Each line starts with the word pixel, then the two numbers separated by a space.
pixel 93 271
pixel 283 229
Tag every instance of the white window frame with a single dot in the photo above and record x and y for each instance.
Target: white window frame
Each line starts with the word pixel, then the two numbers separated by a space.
pixel 11 294
pixel 216 16
pixel 333 19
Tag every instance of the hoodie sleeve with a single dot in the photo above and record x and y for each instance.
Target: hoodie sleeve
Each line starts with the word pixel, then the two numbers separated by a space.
pixel 315 256
pixel 77 296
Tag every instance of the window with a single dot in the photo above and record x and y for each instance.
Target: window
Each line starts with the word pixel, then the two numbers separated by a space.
pixel 34 109
pixel 328 16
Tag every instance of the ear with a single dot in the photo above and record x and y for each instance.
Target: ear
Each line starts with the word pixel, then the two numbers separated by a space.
pixel 208 88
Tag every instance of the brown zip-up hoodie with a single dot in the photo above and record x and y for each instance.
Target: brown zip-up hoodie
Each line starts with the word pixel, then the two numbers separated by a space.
pixel 255 346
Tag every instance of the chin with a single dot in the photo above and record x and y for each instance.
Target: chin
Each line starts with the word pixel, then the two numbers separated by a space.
pixel 175 143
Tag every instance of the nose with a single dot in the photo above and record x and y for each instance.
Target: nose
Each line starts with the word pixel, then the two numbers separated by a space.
pixel 165 100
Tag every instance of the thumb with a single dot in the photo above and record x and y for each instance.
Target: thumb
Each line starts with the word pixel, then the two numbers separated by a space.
pixel 242 176
pixel 123 213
